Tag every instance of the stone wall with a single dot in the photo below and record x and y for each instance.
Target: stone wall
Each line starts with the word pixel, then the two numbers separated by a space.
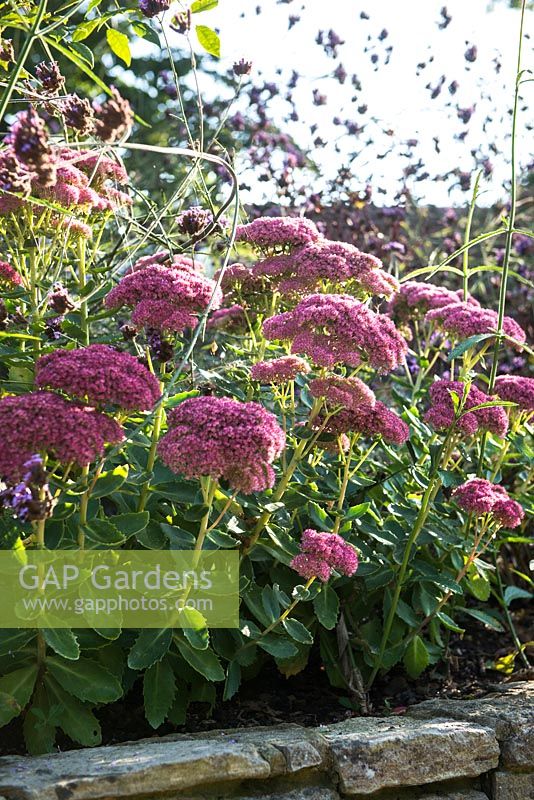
pixel 439 750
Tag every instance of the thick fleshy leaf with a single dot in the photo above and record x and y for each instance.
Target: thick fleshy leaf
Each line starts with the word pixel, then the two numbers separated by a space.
pixel 326 606
pixel 86 679
pixel 159 688
pixel 203 661
pixel 150 647
pixel 416 658
pixel 16 689
pixel 76 718
pixel 63 642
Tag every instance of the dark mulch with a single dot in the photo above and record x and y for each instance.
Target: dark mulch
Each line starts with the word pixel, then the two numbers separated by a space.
pixel 308 699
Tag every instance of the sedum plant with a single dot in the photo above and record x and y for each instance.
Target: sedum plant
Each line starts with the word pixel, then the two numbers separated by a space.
pixel 179 382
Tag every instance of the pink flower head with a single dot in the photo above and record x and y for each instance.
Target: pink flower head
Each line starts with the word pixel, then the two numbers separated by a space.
pixel 77 182
pixel 69 173
pixel 343 557
pixel 72 225
pixel 44 422
pixel 464 320
pixel 337 329
pixel 161 257
pixel 415 298
pixel 279 266
pixel 479 496
pixel 112 197
pixel 516 389
pixel 65 194
pixel 279 370
pixel 328 262
pixel 377 420
pixel 95 166
pixel 164 258
pixel 162 315
pixel 9 274
pixel 351 393
pixel 508 512
pixel 172 294
pixel 99 375
pixel 88 197
pixel 310 566
pixel 223 438
pixel 441 413
pixel 267 232
pixel 323 552
pixel 82 181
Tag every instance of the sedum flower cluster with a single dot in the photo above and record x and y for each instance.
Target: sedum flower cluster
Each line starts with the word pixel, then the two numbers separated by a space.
pixel 338 329
pixel 463 320
pixel 166 298
pixel 478 496
pixel 74 182
pixel 321 553
pixel 279 370
pixel 223 438
pixel 99 376
pixel 441 413
pixel 299 260
pixel 44 422
pixel 516 389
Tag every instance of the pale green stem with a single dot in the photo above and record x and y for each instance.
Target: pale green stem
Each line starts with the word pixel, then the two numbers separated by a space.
pixel 39 533
pixel 84 502
pixel 500 460
pixel 467 237
pixel 284 615
pixel 24 53
pixel 426 503
pixel 225 508
pixel 34 293
pixel 82 280
pixel 284 483
pixel 152 453
pixel 343 488
pixel 209 493
pixel 510 225
pixel 471 359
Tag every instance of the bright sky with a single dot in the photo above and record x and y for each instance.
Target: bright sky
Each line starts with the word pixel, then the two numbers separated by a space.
pixel 393 93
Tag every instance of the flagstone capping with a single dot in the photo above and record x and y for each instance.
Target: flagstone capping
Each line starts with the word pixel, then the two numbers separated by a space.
pixel 439 750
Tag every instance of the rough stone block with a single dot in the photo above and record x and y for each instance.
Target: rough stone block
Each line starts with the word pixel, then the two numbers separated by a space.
pixel 441 794
pixel 169 764
pixel 305 793
pixel 517 752
pixel 129 770
pixel 512 786
pixel 370 755
pixel 299 755
pixel 509 712
pixel 467 795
